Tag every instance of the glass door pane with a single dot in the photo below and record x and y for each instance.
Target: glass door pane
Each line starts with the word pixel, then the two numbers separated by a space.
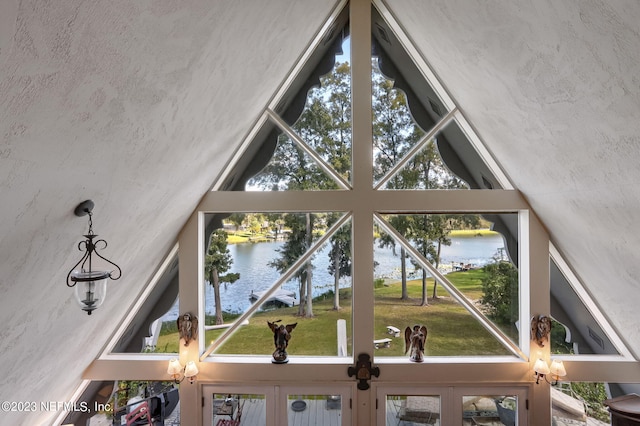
pixel 314 405
pixel 489 410
pixel 404 410
pixel 491 406
pixel 235 405
pixel 311 410
pixel 232 409
pixel 414 405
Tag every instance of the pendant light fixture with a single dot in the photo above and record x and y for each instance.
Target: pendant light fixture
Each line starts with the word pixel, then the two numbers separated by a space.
pixel 89 279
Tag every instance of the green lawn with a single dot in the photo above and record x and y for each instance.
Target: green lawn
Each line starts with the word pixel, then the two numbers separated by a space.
pixel 452 330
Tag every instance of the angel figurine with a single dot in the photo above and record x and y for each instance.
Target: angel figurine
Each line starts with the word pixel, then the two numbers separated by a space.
pixel 540 329
pixel 414 341
pixel 188 327
pixel 281 336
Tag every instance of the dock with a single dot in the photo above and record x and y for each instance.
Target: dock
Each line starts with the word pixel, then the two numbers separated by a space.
pixel 279 298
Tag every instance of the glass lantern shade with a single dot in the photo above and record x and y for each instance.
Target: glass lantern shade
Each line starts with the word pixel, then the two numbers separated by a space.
pixel 90 289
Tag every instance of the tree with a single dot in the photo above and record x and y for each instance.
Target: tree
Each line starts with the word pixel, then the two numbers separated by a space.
pixel 430 232
pixel 339 258
pixel 295 246
pixel 422 229
pixel 400 223
pixel 237 219
pixel 500 288
pixel 325 125
pixel 394 133
pixel 218 260
pixel 276 223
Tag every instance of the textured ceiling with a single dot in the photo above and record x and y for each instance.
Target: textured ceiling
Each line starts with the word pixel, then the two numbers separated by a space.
pixel 553 90
pixel 137 105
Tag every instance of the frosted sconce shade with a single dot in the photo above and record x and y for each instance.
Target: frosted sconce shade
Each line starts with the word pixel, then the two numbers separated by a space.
pixel 174 367
pixel 541 367
pixel 557 368
pixel 191 369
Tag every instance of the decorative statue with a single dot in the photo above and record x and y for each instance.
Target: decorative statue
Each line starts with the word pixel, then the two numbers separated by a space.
pixel 540 329
pixel 414 341
pixel 281 336
pixel 188 327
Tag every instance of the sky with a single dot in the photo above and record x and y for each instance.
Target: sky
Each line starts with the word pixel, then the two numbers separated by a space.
pixel 346 51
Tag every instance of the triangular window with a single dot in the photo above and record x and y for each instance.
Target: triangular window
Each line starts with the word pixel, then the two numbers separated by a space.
pixel 581 327
pixel 151 325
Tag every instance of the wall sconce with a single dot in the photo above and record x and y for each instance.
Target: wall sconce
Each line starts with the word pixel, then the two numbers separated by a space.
pixel 542 370
pixel 90 283
pixel 179 373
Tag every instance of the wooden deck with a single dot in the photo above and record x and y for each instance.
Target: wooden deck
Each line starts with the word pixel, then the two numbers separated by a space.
pixel 318 412
pixel 397 415
pixel 253 412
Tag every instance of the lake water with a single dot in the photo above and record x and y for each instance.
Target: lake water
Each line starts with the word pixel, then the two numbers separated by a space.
pixel 251 261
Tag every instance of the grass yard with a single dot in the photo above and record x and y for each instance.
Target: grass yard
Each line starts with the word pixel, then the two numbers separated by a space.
pixel 452 329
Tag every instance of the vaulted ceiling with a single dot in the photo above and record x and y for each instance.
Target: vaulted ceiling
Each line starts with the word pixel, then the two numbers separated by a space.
pixel 138 106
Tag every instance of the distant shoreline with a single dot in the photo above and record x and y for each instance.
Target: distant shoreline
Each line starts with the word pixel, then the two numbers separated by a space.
pixel 242 237
pixel 464 233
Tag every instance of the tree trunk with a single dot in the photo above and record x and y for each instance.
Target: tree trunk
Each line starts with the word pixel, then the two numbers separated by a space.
pixel 403 271
pixel 424 301
pixel 435 283
pixel 215 279
pixel 303 286
pixel 336 278
pixel 309 306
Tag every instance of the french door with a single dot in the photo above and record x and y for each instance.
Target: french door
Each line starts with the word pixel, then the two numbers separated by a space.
pixel 451 405
pixel 271 405
pixel 331 405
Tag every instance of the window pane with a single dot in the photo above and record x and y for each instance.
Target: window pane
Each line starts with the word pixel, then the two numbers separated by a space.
pixel 292 169
pixel 293 269
pixel 473 261
pixel 405 410
pixel 162 339
pixel 325 410
pixel 239 409
pixel 489 410
pixel 324 126
pixel 575 330
pixel 152 329
pixel 403 156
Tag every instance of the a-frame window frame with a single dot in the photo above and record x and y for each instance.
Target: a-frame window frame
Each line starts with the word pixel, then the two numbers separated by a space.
pixel 362 202
pixel 364 199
